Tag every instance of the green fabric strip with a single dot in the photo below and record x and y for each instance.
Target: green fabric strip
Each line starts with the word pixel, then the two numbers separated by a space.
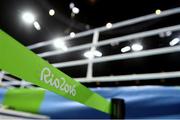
pixel 23 63
pixel 28 100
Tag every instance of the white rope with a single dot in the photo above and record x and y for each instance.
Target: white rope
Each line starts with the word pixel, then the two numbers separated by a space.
pixel 143 53
pixel 9 78
pixel 13 81
pixel 148 76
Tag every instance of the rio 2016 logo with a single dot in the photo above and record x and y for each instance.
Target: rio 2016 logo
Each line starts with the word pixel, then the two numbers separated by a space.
pixel 59 83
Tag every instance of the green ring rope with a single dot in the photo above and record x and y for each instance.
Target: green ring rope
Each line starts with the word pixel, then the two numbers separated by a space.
pixel 23 63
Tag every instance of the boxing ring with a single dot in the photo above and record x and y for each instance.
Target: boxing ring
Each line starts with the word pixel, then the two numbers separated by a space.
pixel 155 98
pixel 144 102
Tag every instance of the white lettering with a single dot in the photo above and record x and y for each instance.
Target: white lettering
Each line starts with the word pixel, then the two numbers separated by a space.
pixel 48 77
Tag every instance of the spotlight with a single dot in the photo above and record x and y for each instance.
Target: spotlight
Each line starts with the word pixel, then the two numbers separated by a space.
pixel 36 25
pixel 88 54
pixel 174 41
pixel 51 12
pixel 168 33
pixel 158 12
pixel 75 10
pixel 28 17
pixel 97 53
pixel 59 43
pixel 125 49
pixel 165 34
pixel 91 54
pixel 137 47
pixel 108 25
pixel 71 5
pixel 72 34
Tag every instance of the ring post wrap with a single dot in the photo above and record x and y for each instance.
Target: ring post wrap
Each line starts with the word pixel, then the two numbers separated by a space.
pixel 19 61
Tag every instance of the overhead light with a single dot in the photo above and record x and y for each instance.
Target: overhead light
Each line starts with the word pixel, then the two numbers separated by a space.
pixel 72 34
pixel 158 12
pixel 71 5
pixel 75 10
pixel 91 54
pixel 51 12
pixel 137 47
pixel 165 34
pixel 168 33
pixel 114 43
pixel 174 41
pixel 108 25
pixel 125 49
pixel 36 25
pixel 97 53
pixel 59 43
pixel 28 17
